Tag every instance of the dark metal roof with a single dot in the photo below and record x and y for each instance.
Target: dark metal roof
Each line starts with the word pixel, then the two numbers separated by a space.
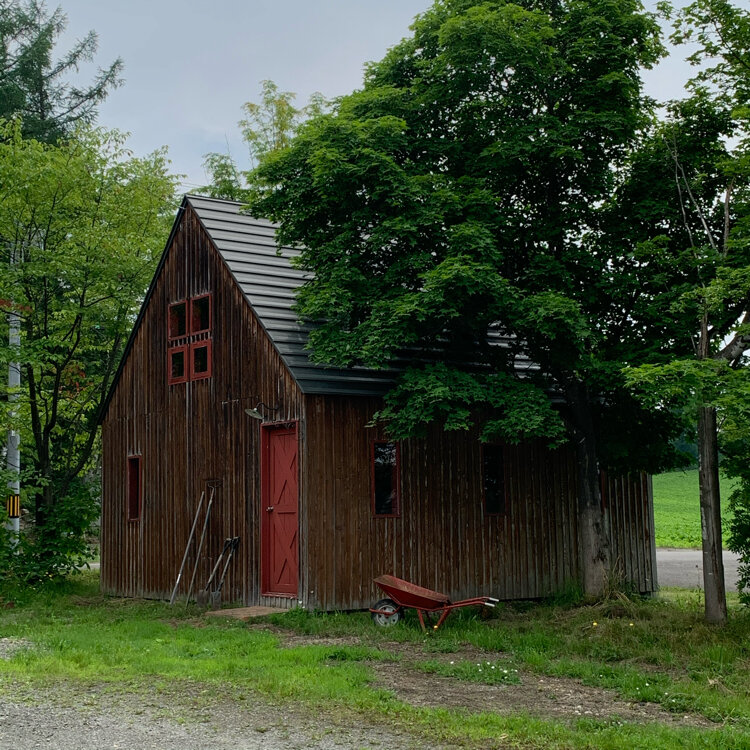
pixel 268 280
pixel 266 277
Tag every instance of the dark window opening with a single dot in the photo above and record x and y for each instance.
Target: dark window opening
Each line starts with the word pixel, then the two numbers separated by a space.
pixel 201 364
pixel 493 477
pixel 177 320
pixel 177 365
pixel 385 484
pixel 134 488
pixel 189 340
pixel 200 316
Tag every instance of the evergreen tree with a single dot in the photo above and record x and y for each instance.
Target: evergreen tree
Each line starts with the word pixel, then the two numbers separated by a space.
pixel 36 87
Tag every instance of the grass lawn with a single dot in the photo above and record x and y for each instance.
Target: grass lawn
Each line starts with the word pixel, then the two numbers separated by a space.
pixel 654 653
pixel 677 515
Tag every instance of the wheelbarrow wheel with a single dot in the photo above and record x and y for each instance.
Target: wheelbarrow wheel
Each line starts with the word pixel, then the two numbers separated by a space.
pixel 389 614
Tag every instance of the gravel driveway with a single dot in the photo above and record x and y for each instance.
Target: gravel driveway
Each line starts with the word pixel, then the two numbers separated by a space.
pixel 61 718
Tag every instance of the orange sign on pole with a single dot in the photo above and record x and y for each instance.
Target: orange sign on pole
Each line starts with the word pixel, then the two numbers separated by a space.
pixel 13 506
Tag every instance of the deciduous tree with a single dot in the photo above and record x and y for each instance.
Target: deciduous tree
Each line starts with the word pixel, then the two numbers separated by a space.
pixel 85 222
pixel 462 189
pixel 268 125
pixel 694 182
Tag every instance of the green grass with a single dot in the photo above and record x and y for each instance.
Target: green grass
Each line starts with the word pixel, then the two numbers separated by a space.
pixel 677 518
pixel 658 651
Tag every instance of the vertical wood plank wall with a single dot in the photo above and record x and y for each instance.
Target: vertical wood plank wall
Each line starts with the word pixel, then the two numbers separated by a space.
pixel 443 540
pixel 190 435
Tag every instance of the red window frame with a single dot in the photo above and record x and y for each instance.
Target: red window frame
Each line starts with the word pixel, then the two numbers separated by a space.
pixel 483 474
pixel 193 330
pixel 172 380
pixel 395 480
pixel 134 487
pixel 202 344
pixel 171 334
pixel 189 341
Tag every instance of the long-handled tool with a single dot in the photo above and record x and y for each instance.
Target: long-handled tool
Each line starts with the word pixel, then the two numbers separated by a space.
pixel 214 597
pixel 200 544
pixel 187 548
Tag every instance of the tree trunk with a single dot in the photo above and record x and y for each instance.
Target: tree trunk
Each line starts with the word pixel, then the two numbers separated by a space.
pixel 594 552
pixel 713 563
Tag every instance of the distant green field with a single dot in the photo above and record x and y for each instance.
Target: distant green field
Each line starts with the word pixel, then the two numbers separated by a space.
pixel 677 508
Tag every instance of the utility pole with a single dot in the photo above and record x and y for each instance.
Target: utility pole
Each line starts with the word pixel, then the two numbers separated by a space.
pixel 13 452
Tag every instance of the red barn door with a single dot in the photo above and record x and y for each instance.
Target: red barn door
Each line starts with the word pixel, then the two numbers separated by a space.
pixel 279 526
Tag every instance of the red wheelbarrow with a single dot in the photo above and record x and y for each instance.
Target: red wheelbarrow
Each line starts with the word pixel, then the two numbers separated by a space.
pixel 404 595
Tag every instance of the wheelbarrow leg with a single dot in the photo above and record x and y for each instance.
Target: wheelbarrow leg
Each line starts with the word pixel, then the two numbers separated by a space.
pixel 442 617
pixel 421 619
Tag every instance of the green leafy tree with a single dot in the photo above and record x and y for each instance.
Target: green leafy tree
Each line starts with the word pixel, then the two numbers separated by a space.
pixel 85 222
pixel 225 178
pixel 461 190
pixel 693 188
pixel 268 125
pixel 36 87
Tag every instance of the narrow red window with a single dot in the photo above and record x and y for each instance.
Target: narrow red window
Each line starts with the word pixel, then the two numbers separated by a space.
pixel 493 480
pixel 134 488
pixel 200 314
pixel 386 490
pixel 178 320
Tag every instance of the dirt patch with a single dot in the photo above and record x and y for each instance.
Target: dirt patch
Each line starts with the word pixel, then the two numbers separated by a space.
pixel 542 697
pixel 558 698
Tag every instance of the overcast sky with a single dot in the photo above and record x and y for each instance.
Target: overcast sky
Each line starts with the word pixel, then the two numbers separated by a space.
pixel 190 65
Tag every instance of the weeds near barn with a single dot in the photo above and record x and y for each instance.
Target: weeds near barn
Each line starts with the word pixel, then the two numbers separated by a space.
pixel 656 653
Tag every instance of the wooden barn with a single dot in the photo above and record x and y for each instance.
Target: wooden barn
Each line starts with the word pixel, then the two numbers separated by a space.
pixel 216 398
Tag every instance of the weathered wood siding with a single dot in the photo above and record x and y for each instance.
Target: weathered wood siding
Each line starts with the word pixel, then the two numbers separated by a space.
pixel 190 435
pixel 443 539
pixel 630 502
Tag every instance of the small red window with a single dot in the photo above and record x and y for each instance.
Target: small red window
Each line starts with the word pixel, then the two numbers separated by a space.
pixel 386 489
pixel 200 360
pixel 189 346
pixel 200 314
pixel 177 364
pixel 178 320
pixel 134 488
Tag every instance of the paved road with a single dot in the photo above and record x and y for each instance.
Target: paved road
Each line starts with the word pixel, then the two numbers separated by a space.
pixel 683 568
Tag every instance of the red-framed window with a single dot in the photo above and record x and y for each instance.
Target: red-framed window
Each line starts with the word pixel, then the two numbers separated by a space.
pixel 178 320
pixel 189 339
pixel 385 460
pixel 135 488
pixel 177 364
pixel 493 480
pixel 200 314
pixel 200 359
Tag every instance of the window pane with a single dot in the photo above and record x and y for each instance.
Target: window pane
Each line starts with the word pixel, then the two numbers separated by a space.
pixel 134 488
pixel 177 320
pixel 177 364
pixel 200 360
pixel 201 314
pixel 385 479
pixel 494 479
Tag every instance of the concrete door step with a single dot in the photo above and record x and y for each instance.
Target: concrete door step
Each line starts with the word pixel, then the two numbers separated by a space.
pixel 244 613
